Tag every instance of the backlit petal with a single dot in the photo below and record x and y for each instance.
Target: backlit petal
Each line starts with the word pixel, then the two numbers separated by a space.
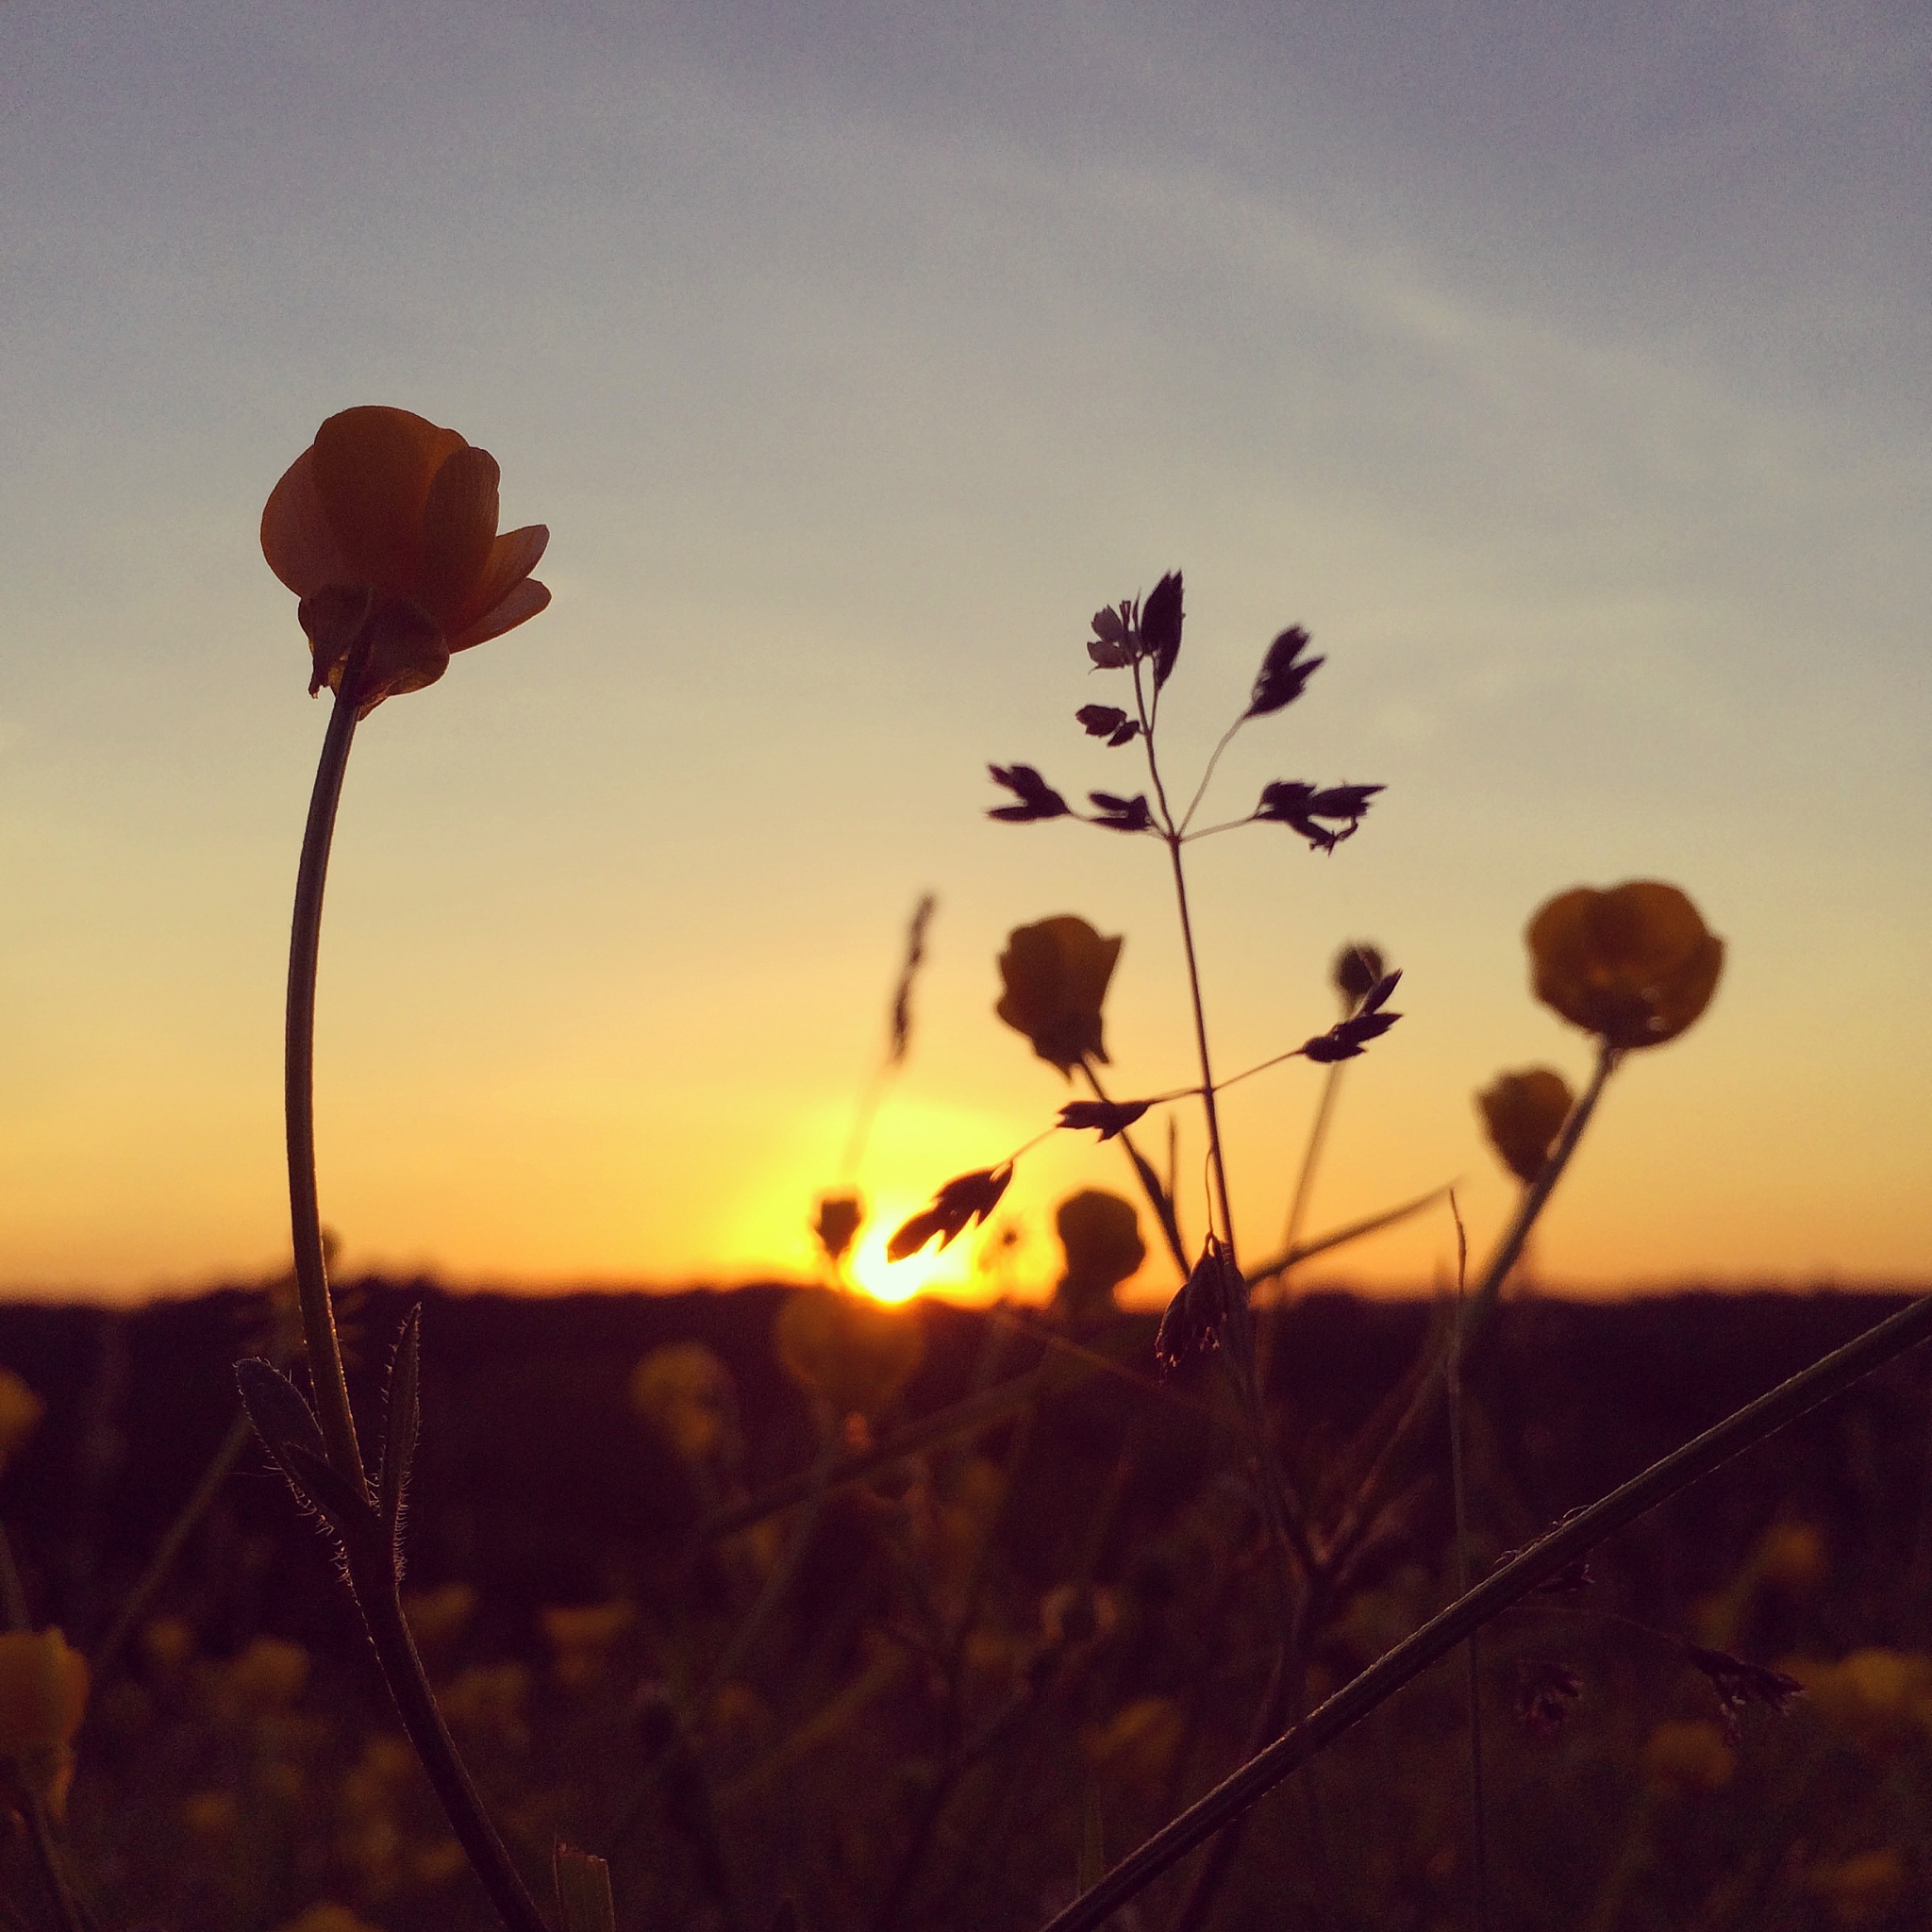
pixel 459 532
pixel 524 602
pixel 513 558
pixel 296 537
pixel 374 467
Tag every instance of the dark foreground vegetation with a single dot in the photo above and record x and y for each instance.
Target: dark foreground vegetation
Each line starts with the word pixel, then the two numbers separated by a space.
pixel 941 1685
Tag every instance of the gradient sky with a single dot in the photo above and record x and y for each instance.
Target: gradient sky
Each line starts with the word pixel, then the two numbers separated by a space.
pixel 1567 372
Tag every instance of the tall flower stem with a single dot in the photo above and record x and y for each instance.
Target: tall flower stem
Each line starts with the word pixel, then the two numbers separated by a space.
pixel 1280 1512
pixel 298 1098
pixel 375 1593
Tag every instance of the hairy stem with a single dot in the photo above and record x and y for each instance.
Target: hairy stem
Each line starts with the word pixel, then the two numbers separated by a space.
pixel 375 1595
pixel 298 1065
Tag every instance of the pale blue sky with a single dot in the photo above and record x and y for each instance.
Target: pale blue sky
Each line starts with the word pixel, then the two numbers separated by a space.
pixel 1568 377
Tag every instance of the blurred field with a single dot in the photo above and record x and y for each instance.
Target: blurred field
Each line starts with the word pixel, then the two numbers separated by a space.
pixel 986 1663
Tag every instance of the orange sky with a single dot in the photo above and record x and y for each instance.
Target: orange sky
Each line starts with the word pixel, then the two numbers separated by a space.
pixel 1571 384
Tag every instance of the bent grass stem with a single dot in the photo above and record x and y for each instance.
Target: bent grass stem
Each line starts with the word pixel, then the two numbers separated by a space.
pixel 375 1595
pixel 1571 1539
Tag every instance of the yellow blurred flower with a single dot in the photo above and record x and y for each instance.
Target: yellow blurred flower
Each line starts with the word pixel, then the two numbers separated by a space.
pixel 20 1411
pixel 1055 977
pixel 43 1689
pixel 1688 1756
pixel 438 1617
pixel 268 1677
pixel 1863 1887
pixel 1635 964
pixel 210 1815
pixel 1524 1112
pixel 1793 1557
pixel 386 529
pixel 326 1917
pixel 854 1354
pixel 685 1394
pixel 167 1643
pixel 1136 1746
pixel 582 1637
pixel 489 1698
pixel 1876 1698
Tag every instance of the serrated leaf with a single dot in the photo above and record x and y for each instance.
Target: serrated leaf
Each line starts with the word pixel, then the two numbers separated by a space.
pixel 277 1409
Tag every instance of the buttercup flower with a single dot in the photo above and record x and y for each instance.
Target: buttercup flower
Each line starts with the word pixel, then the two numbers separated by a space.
pixel 42 1698
pixel 1523 1113
pixel 386 529
pixel 1635 965
pixel 1055 975
pixel 1101 1235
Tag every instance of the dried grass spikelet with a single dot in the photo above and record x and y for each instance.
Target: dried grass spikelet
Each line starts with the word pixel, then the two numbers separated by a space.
pixel 1524 1112
pixel 854 1354
pixel 43 1686
pixel 385 528
pixel 1354 972
pixel 1634 964
pixel 1055 977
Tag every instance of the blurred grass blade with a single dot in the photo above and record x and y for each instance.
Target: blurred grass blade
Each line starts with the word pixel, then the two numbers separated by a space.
pixel 583 1890
pixel 1341 1237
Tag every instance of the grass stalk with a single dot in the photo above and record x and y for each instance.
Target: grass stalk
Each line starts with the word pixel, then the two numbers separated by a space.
pixel 1571 1539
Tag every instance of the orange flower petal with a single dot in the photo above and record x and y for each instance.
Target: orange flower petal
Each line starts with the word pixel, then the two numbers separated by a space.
pixel 458 531
pixel 1634 965
pixel 513 558
pixel 297 538
pixel 524 602
pixel 373 468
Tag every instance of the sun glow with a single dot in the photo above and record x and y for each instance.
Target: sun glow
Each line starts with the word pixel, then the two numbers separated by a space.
pixel 899 1281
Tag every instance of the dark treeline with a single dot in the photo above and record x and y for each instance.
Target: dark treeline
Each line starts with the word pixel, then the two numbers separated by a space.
pixel 537 1484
